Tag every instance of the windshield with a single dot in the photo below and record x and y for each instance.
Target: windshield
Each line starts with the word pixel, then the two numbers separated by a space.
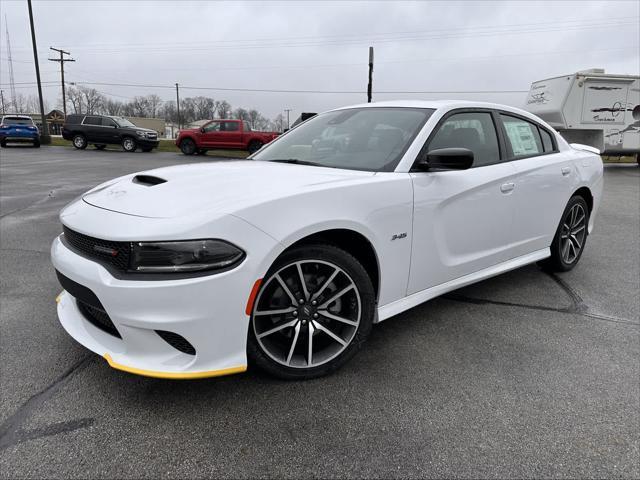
pixel 17 121
pixel 123 122
pixel 372 139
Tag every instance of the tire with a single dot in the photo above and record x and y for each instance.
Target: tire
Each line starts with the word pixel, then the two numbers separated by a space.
pixel 3 143
pixel 129 144
pixel 254 146
pixel 100 146
pixel 570 238
pixel 188 146
pixel 147 149
pixel 79 141
pixel 283 350
pixel 36 144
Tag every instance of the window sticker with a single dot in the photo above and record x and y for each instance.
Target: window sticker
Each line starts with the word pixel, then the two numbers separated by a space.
pixel 522 138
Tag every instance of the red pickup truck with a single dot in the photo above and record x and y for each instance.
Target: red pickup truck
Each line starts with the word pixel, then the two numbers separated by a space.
pixel 227 134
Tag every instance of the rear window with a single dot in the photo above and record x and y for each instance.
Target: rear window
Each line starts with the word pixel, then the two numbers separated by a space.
pixel 17 121
pixel 73 119
pixel 92 121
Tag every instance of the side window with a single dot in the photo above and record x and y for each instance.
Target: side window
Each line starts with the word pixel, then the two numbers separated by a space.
pixel 473 130
pixel 212 127
pixel 523 137
pixel 108 122
pixel 230 126
pixel 547 142
pixel 92 120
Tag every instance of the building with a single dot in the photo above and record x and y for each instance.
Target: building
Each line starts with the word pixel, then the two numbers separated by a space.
pixel 55 120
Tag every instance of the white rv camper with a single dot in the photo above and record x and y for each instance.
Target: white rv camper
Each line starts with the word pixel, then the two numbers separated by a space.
pixel 592 108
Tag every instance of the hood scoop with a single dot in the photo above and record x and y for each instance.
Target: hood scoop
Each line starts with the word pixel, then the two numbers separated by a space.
pixel 148 180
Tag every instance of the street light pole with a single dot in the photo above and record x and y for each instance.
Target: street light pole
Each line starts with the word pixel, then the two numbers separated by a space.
pixel 45 138
pixel 287 110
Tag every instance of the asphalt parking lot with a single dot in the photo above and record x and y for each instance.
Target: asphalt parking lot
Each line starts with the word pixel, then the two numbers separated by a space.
pixel 524 375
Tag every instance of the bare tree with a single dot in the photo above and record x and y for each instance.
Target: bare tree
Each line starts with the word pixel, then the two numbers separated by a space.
pixel 154 102
pixel 241 114
pixel 223 109
pixel 113 107
pixel 92 99
pixel 74 97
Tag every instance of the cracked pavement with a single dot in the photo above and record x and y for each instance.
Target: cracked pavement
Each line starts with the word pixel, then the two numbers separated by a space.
pixel 524 375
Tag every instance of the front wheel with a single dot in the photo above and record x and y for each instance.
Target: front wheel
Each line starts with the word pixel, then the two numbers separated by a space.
pixel 314 310
pixel 3 143
pixel 129 144
pixel 79 141
pixel 188 146
pixel 36 143
pixel 570 238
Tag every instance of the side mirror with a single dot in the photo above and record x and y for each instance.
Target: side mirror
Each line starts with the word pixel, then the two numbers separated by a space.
pixel 201 129
pixel 448 159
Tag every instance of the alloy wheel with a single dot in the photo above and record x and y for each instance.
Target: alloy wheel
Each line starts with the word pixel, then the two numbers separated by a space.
pixel 307 313
pixel 572 234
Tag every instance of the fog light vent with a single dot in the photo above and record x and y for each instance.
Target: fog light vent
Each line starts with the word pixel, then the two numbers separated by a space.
pixel 177 341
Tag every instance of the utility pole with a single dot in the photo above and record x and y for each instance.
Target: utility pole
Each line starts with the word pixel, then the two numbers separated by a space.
pixel 370 85
pixel 45 138
pixel 61 60
pixel 287 110
pixel 2 100
pixel 178 105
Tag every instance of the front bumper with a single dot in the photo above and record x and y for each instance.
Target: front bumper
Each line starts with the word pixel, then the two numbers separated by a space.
pixel 20 138
pixel 146 143
pixel 208 311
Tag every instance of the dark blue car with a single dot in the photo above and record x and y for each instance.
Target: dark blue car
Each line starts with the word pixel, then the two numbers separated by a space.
pixel 18 129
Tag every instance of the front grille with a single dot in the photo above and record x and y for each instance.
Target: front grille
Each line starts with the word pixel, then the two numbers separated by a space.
pixel 177 341
pixel 98 318
pixel 152 136
pixel 105 251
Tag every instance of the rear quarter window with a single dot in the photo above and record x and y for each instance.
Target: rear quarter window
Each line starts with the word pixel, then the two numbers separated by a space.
pixel 73 119
pixel 547 142
pixel 523 136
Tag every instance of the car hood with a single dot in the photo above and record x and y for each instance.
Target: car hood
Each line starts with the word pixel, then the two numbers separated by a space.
pixel 223 187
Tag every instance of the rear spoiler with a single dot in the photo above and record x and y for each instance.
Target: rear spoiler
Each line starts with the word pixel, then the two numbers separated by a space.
pixel 586 148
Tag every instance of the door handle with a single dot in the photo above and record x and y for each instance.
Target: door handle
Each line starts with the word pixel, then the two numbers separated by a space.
pixel 566 171
pixel 507 187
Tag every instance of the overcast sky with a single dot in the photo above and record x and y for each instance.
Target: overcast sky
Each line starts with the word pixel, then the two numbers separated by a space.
pixel 419 47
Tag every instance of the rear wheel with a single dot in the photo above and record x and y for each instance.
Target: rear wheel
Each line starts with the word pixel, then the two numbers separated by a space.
pixel 314 310
pixel 570 238
pixel 254 146
pixel 129 144
pixel 188 146
pixel 79 141
pixel 100 147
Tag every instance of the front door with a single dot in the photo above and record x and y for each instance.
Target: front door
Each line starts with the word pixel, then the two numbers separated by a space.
pixel 462 220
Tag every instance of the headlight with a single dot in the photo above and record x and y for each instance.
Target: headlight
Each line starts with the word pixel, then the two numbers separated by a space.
pixel 185 256
pixel 140 134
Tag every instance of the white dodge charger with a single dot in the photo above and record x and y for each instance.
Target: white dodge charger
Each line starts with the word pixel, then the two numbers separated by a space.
pixel 286 260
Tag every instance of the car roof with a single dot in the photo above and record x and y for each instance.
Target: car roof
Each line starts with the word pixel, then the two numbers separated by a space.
pixel 440 104
pixel 22 117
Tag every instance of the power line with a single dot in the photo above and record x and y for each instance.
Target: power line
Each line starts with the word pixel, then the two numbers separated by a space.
pixel 366 39
pixel 265 90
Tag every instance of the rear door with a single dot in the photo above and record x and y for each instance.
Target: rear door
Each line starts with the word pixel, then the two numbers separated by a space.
pixel 463 220
pixel 543 185
pixel 93 129
pixel 231 134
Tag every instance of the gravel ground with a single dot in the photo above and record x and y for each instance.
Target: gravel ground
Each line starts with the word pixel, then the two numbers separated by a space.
pixel 523 375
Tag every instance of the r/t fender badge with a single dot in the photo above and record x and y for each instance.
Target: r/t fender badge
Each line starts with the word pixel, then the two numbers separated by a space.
pixel 398 236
